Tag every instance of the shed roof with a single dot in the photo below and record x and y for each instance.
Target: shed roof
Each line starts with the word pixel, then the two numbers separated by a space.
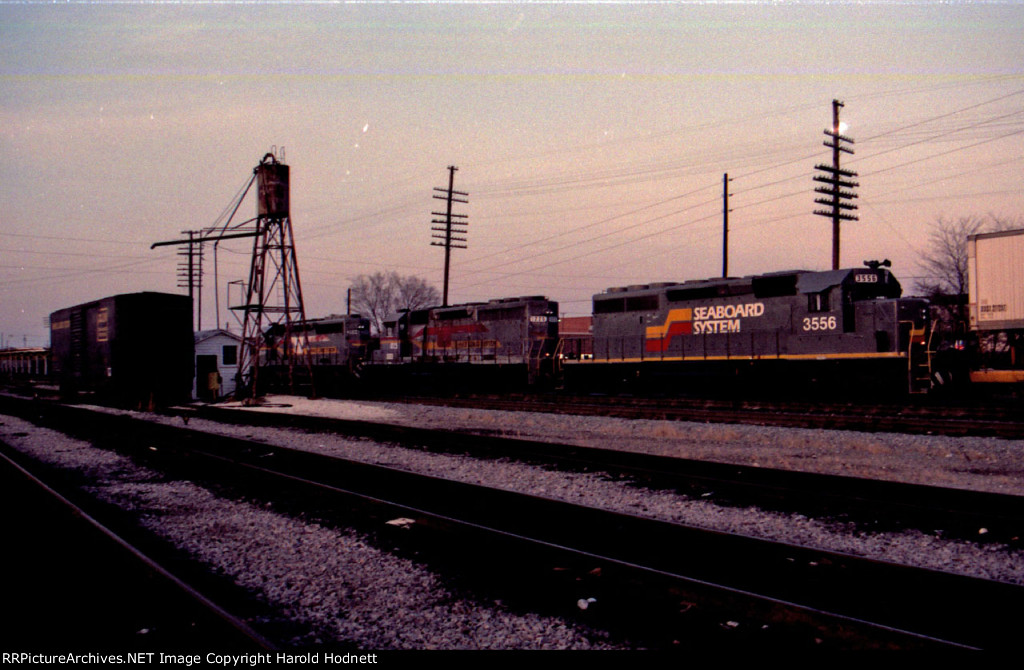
pixel 203 335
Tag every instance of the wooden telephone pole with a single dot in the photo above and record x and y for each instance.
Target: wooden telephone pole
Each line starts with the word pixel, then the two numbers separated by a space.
pixel 453 224
pixel 725 225
pixel 837 180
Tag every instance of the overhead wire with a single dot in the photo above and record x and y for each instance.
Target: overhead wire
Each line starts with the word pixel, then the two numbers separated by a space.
pixel 655 171
pixel 932 137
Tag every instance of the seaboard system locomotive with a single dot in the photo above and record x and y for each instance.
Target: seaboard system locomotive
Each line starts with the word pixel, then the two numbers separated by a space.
pixel 783 328
pixel 334 347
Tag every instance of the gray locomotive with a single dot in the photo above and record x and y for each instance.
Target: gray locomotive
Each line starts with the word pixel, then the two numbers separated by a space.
pixel 332 347
pixel 499 344
pixel 784 328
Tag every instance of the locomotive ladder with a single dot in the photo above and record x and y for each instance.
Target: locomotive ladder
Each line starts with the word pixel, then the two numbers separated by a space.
pixel 919 360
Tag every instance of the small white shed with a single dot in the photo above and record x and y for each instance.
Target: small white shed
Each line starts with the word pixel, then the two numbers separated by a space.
pixel 216 364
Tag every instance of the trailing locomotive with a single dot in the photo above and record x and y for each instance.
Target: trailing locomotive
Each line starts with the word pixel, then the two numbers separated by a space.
pixel 134 349
pixel 333 346
pixel 833 327
pixel 502 343
pixel 336 340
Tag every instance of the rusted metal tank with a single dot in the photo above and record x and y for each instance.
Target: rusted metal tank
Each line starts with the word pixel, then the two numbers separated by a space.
pixel 272 187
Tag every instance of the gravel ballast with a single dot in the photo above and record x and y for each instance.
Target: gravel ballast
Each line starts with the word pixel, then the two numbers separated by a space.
pixel 349 591
pixel 342 589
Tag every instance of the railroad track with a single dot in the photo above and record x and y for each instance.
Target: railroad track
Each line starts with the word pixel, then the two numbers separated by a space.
pixel 874 504
pixel 1005 421
pixel 76 583
pixel 661 583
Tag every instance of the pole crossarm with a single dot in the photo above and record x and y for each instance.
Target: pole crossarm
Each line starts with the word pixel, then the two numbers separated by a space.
pixel 837 179
pixel 450 227
pixel 209 238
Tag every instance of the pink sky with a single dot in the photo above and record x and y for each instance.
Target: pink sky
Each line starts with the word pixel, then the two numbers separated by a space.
pixel 592 139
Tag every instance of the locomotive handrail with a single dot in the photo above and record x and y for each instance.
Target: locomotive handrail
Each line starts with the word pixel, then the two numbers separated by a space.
pixel 915 336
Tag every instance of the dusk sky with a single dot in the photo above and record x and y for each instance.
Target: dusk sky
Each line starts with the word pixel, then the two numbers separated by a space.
pixel 591 138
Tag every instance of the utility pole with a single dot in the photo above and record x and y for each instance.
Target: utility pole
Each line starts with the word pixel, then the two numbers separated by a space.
pixel 451 227
pixel 836 178
pixel 190 272
pixel 725 225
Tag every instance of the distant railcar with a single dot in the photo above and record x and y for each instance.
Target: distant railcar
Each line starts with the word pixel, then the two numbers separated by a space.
pixel 134 349
pixel 783 328
pixel 333 346
pixel 575 338
pixel 336 340
pixel 501 343
pixel 24 365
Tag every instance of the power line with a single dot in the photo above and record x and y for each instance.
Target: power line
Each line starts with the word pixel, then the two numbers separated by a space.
pixel 78 273
pixel 593 224
pixel 64 238
pixel 946 153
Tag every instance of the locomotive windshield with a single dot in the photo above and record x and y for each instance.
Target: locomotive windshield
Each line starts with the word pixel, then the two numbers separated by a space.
pixel 872 285
pixel 857 285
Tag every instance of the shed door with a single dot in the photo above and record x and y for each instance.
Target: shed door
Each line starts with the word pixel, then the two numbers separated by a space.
pixel 207 383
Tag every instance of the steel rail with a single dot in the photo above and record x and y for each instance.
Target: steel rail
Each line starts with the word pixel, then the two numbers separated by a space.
pixel 975 515
pixel 1006 422
pixel 804 595
pixel 166 613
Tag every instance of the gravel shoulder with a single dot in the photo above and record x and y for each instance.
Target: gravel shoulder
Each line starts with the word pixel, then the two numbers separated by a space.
pixel 351 593
pixel 334 583
pixel 977 463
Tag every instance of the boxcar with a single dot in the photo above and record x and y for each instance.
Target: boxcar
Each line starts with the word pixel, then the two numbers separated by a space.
pixel 134 349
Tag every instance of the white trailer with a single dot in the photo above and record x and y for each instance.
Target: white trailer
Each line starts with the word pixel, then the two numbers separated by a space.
pixel 995 273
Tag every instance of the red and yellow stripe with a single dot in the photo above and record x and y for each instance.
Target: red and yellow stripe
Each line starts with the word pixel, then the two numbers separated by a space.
pixel 677 322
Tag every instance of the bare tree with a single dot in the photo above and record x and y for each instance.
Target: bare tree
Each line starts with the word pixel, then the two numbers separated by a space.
pixel 378 295
pixel 945 262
